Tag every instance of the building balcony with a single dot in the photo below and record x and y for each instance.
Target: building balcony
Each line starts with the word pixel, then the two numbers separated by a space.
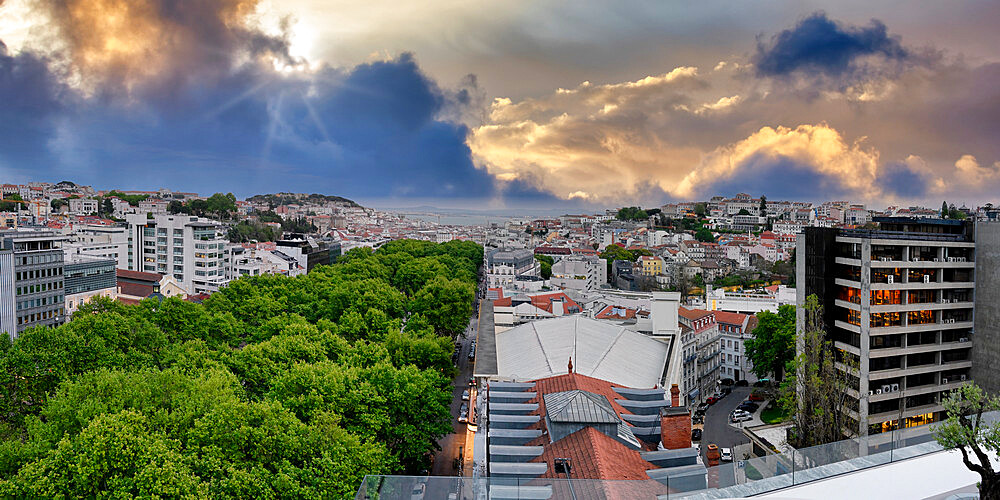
pixel 924 327
pixel 941 264
pixel 916 349
pixel 908 412
pixel 918 306
pixel 917 370
pixel 933 285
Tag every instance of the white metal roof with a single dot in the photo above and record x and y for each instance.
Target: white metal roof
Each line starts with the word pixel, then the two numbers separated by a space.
pixel 601 350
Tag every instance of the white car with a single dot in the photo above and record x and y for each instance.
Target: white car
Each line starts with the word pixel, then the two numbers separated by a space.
pixel 418 491
pixel 740 416
pixel 726 455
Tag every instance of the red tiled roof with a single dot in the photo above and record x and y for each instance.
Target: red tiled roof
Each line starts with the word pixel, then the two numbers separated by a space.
pixel 135 289
pixel 504 302
pixel 730 318
pixel 138 275
pixel 692 314
pixel 595 455
pixel 545 301
pixel 607 313
pixel 128 302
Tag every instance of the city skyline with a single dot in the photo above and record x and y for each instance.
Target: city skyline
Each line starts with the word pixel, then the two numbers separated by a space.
pixel 505 107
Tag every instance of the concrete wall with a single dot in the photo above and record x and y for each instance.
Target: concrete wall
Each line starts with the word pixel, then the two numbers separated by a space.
pixel 986 340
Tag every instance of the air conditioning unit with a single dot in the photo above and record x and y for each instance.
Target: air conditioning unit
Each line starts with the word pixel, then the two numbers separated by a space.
pixel 963 378
pixel 871 393
pixel 895 387
pixel 961 259
pixel 878 391
pixel 944 380
pixel 889 279
pixel 886 389
pixel 937 259
pixel 927 278
pixel 963 339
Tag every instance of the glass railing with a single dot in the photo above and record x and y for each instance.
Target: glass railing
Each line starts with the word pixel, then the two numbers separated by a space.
pixel 739 479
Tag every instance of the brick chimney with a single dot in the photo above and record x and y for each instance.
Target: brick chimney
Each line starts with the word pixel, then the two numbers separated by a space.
pixel 675 423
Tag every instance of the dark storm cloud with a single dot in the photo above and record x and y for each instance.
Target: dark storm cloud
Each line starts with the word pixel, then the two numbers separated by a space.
pixel 370 131
pixel 781 178
pixel 898 179
pixel 819 46
pixel 32 99
pixel 187 95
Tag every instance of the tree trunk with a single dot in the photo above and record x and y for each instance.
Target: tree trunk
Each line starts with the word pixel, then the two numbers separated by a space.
pixel 989 487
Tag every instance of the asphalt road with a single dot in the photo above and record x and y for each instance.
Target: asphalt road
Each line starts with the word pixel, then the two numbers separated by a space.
pixel 444 460
pixel 717 428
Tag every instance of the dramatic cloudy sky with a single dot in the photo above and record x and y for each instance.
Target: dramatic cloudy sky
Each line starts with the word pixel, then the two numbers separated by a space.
pixel 507 104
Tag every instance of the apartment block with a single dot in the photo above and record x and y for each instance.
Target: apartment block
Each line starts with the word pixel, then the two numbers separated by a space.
pixel 898 304
pixel 191 249
pixel 31 280
pixel 504 265
pixel 579 272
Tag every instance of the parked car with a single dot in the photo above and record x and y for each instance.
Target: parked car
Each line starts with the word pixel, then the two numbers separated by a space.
pixel 749 406
pixel 756 396
pixel 698 419
pixel 702 407
pixel 725 391
pixel 742 383
pixel 727 455
pixel 472 353
pixel 463 413
pixel 465 395
pixel 711 400
pixel 418 491
pixel 740 416
pixel 695 434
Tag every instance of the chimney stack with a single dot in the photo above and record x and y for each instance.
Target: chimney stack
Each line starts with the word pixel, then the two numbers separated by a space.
pixel 675 423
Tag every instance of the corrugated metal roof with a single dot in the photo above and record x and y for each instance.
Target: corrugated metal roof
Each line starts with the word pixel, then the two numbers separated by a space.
pixel 579 406
pixel 543 348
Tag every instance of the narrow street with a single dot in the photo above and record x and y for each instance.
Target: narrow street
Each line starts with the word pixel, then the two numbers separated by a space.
pixel 444 461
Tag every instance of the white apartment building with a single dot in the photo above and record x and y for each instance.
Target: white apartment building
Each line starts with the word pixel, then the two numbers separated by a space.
pixel 503 265
pixel 83 205
pixel 191 249
pixel 109 242
pixel 734 329
pixel 579 272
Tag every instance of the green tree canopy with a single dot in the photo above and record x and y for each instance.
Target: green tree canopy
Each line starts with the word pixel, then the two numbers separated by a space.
pixel 274 386
pixel 773 343
pixel 631 213
pixel 705 235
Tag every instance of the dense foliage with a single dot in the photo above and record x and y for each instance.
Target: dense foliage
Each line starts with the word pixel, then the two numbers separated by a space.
pixel 279 199
pixel 247 231
pixel 11 203
pixel 773 342
pixel 631 213
pixel 221 206
pixel 274 387
pixel 545 262
pixel 131 199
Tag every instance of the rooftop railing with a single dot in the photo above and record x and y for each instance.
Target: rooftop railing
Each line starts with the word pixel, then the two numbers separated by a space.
pixel 739 479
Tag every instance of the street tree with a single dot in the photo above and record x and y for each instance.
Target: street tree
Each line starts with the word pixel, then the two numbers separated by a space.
pixel 976 437
pixel 815 391
pixel 773 342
